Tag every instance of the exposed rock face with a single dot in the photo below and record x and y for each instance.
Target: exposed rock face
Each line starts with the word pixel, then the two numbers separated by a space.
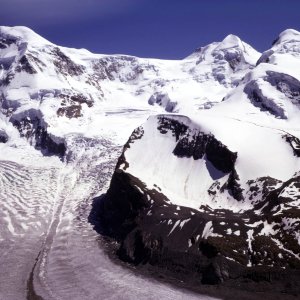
pixel 72 111
pixel 213 245
pixel 123 68
pixel 257 97
pixel 6 41
pixel 164 101
pixel 265 57
pixel 294 143
pixel 285 87
pixel 65 65
pixel 71 105
pixel 179 240
pixel 25 65
pixel 286 84
pixel 3 136
pixel 34 130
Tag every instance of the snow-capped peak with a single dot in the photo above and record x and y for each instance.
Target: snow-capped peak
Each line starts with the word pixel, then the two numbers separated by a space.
pixel 232 49
pixel 288 35
pixel 236 51
pixel 230 41
pixel 285 52
pixel 23 34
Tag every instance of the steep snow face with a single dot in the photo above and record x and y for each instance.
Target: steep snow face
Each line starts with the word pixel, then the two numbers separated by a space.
pixel 186 162
pixel 174 145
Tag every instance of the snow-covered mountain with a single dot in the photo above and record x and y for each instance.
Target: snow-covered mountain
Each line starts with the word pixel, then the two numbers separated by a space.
pixel 210 171
pixel 65 88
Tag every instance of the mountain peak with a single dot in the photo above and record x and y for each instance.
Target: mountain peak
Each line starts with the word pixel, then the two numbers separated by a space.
pixel 287 35
pixel 235 51
pixel 22 33
pixel 230 41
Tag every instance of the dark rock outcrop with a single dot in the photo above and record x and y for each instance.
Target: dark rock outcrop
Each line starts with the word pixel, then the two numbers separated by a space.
pixel 154 232
pixel 206 246
pixel 65 65
pixel 25 66
pixel 6 41
pixel 35 131
pixel 258 99
pixel 197 144
pixel 164 101
pixel 286 84
pixel 71 105
pixel 3 136
pixel 294 143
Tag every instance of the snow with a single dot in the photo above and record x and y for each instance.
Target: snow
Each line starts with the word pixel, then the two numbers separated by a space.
pixel 297 236
pixel 268 229
pixel 208 230
pixel 249 240
pixel 175 225
pixel 182 223
pixel 288 35
pixel 23 33
pixel 211 92
pixel 255 224
pixel 276 159
pixel 114 96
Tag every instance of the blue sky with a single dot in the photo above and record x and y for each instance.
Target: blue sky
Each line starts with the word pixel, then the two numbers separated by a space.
pixel 152 28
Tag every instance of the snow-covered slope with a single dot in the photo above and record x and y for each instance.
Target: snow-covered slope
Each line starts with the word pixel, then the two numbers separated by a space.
pixel 214 141
pixel 65 88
